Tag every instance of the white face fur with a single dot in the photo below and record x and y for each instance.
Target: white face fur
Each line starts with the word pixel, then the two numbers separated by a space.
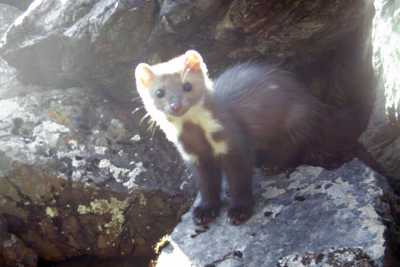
pixel 175 86
pixel 173 92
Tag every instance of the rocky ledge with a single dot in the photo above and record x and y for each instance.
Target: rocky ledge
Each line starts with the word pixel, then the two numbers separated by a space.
pixel 315 217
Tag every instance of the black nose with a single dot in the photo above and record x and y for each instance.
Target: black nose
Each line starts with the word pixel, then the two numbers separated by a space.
pixel 175 106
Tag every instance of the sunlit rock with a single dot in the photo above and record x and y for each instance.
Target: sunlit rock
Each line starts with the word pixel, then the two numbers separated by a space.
pixel 383 135
pixel 319 218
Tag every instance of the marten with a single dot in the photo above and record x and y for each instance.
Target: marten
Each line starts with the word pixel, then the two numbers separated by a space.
pixel 251 112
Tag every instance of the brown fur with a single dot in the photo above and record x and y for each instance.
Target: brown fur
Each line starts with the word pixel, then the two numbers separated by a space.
pixel 252 113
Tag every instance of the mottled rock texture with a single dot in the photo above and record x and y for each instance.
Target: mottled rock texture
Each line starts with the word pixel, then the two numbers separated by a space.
pixel 314 218
pixel 78 177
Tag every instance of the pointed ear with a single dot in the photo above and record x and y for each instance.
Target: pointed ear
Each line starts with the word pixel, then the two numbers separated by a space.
pixel 144 75
pixel 193 61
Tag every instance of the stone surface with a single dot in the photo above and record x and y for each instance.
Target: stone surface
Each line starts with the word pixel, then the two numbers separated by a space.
pixel 79 42
pixel 13 252
pixel 96 43
pixel 383 134
pixel 9 84
pixel 78 176
pixel 21 4
pixel 7 15
pixel 314 218
pixel 331 257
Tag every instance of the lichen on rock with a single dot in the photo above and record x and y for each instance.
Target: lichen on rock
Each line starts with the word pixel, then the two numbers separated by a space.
pixel 51 212
pixel 112 207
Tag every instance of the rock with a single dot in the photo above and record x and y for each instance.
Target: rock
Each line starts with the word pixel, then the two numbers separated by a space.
pixel 10 86
pixel 7 15
pixel 285 29
pixel 13 252
pixel 79 42
pixel 20 4
pixel 16 253
pixel 314 218
pixel 96 43
pixel 72 183
pixel 330 257
pixel 382 137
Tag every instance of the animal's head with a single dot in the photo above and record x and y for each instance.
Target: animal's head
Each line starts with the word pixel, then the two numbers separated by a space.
pixel 175 86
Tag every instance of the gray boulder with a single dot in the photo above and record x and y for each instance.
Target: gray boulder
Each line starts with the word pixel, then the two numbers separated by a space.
pixel 314 218
pixel 70 43
pixel 79 177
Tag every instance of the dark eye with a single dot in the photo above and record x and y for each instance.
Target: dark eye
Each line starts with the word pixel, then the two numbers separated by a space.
pixel 160 93
pixel 187 87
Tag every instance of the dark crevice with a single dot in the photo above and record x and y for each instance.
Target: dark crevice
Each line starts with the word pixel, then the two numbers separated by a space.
pixel 87 261
pixel 391 218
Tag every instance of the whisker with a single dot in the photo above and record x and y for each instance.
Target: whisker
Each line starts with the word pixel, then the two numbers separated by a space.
pixel 149 127
pixel 154 129
pixel 135 99
pixel 137 110
pixel 145 117
pixel 150 123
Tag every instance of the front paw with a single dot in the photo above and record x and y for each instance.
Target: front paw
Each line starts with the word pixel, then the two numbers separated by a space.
pixel 240 214
pixel 203 215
